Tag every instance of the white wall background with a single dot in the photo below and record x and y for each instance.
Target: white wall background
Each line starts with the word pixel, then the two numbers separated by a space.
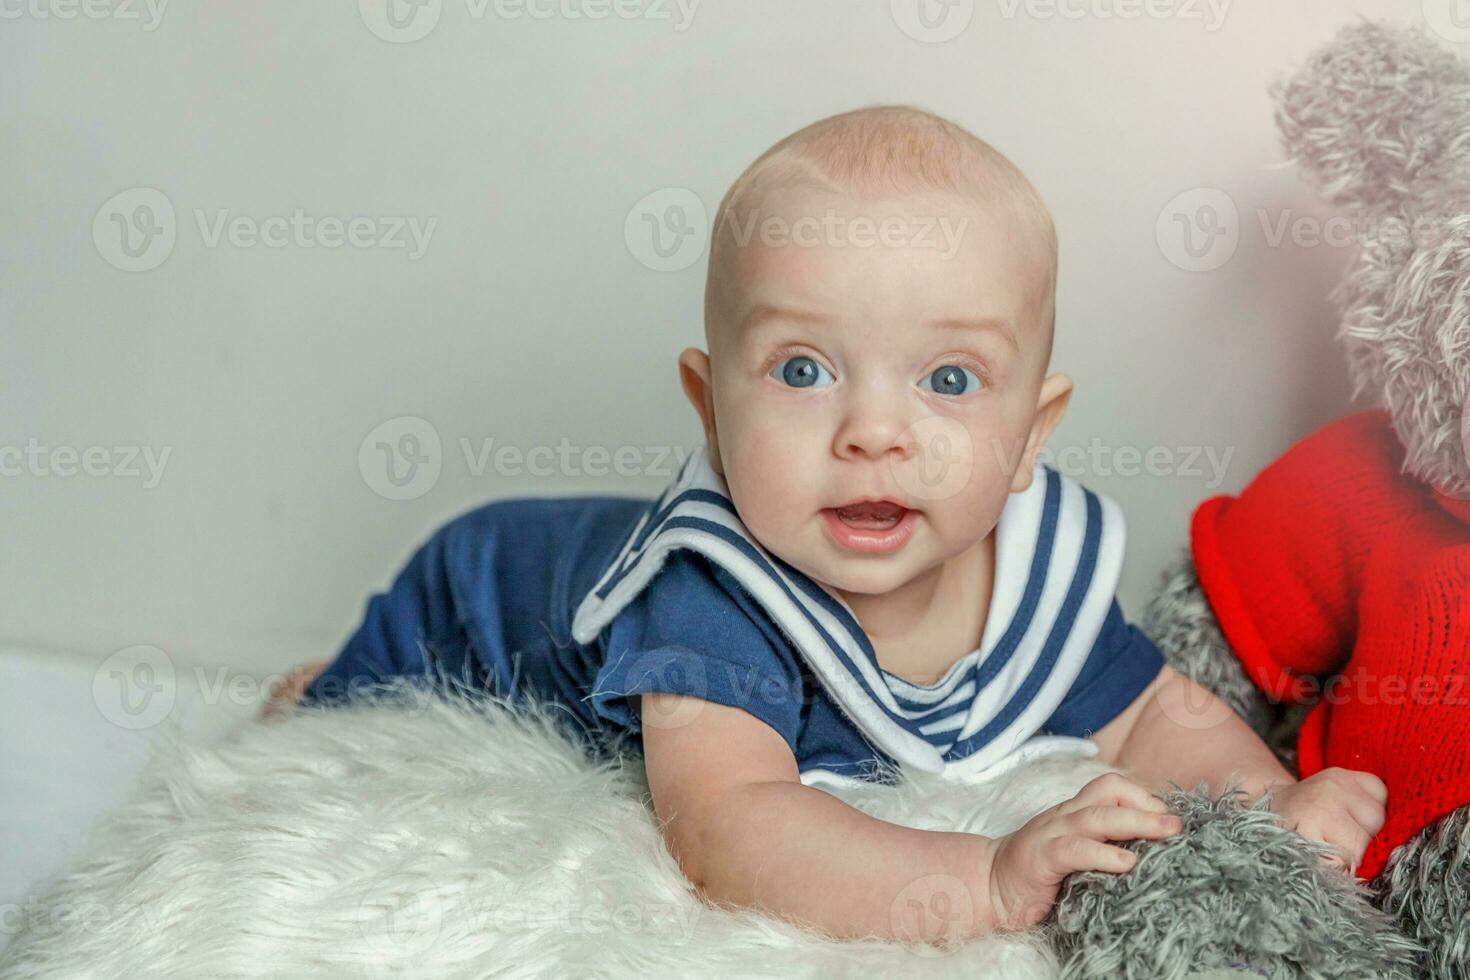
pixel 529 319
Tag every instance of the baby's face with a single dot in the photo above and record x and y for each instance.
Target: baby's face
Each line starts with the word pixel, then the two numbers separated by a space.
pixel 905 370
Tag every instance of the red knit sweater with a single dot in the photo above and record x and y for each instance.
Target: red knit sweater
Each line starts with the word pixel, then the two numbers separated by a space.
pixel 1334 562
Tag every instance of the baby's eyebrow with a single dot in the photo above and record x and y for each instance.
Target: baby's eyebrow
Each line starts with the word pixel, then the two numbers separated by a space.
pixel 764 313
pixel 997 324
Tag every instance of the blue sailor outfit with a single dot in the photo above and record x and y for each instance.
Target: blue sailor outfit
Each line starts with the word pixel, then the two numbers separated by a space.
pixel 585 603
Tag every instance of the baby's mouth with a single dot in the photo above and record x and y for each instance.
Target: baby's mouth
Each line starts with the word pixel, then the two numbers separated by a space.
pixel 871 515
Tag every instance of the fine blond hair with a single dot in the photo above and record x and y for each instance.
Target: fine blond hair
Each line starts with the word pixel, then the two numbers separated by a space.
pixel 890 149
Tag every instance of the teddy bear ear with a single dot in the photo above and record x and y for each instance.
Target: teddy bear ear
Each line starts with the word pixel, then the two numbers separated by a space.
pixel 1375 114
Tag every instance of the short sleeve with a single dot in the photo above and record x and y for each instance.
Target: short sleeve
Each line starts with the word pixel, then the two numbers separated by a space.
pixel 694 631
pixel 1122 663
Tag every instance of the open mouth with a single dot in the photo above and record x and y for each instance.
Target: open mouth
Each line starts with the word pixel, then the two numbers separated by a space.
pixel 870 526
pixel 871 515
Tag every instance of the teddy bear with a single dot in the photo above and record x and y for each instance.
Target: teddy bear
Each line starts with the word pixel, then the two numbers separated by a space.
pixel 1328 603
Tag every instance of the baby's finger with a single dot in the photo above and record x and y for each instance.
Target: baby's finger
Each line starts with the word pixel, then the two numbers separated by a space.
pixel 1373 786
pixel 1367 812
pixel 1075 853
pixel 1123 823
pixel 1114 789
pixel 1356 841
pixel 1347 843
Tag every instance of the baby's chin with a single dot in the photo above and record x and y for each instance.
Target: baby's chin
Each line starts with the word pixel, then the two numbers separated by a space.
pixel 856 575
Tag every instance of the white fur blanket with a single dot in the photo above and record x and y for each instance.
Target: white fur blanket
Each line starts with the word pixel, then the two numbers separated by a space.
pixel 447 840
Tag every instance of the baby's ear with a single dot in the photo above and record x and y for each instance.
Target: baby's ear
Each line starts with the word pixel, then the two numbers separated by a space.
pixel 695 377
pixel 1051 405
pixel 1376 116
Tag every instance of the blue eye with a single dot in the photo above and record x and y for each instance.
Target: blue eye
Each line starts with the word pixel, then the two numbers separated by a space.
pixel 952 379
pixel 801 372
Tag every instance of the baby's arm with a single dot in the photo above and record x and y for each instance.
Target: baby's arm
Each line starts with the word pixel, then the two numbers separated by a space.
pixel 747 832
pixel 1177 731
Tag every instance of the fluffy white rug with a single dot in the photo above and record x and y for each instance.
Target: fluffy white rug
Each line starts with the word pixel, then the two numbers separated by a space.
pixel 444 840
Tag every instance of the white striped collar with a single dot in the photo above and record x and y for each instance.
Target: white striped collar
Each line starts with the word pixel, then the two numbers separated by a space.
pixel 1059 551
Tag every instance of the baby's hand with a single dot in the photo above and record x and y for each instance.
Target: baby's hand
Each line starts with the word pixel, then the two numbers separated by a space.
pixel 1340 807
pixel 1027 867
pixel 285 693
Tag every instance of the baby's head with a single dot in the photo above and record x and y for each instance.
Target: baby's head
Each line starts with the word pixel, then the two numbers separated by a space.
pixel 878 311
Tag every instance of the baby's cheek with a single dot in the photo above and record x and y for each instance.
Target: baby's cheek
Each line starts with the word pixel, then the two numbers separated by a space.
pixel 766 479
pixel 974 514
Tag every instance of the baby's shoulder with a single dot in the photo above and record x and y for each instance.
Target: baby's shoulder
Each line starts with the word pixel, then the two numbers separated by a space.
pixel 691 586
pixel 693 601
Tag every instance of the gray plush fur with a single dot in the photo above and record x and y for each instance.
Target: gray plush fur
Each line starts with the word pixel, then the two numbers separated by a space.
pixel 1234 891
pixel 1426 886
pixel 1380 120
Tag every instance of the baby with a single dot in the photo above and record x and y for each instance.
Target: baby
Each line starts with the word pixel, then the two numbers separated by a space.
pixel 863 570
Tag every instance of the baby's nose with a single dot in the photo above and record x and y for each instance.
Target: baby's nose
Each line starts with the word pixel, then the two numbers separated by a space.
pixel 875 437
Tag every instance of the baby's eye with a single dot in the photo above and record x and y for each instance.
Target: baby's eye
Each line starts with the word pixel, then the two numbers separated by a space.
pixel 952 379
pixel 801 372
